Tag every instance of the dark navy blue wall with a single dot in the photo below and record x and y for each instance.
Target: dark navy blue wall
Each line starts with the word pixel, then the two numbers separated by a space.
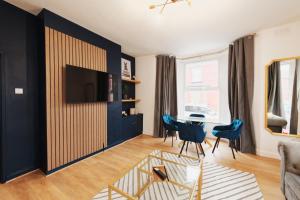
pixel 21 53
pixel 20 138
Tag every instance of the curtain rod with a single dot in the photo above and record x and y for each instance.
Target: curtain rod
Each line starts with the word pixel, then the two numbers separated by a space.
pixel 202 55
pixel 252 34
pixel 212 53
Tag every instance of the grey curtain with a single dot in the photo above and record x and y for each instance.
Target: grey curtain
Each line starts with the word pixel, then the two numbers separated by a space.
pixel 240 89
pixel 294 109
pixel 274 90
pixel 165 91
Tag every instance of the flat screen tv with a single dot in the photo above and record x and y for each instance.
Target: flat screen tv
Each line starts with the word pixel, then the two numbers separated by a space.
pixel 85 85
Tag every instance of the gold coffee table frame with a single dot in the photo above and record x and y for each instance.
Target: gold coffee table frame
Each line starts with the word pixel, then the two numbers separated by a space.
pixel 143 188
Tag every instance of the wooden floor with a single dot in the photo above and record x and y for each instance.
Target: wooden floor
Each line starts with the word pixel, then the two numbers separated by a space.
pixel 85 179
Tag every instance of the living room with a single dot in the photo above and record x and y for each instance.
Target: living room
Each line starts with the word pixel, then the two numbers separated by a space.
pixel 149 99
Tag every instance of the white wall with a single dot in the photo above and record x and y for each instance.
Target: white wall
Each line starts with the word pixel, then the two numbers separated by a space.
pixel 278 42
pixel 146 72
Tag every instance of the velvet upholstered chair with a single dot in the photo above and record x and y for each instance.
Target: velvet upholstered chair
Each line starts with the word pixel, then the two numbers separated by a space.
pixel 290 169
pixel 189 132
pixel 170 126
pixel 197 115
pixel 231 132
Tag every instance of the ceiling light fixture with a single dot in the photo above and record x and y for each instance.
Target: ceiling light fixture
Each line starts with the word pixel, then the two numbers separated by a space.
pixel 167 2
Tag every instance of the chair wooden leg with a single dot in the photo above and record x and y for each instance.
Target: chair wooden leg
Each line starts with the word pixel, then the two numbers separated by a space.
pixel 166 134
pixel 197 150
pixel 231 146
pixel 232 153
pixel 187 146
pixel 181 148
pixel 216 143
pixel 202 149
pixel 235 147
pixel 172 141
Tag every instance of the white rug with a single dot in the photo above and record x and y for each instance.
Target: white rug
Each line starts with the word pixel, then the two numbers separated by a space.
pixel 218 183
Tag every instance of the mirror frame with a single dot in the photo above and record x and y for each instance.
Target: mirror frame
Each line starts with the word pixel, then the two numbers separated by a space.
pixel 266 95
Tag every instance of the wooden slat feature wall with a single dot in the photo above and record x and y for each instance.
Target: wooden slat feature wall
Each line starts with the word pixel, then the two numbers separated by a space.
pixel 73 130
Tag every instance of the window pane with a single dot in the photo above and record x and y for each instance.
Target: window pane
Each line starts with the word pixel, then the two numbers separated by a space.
pixel 202 74
pixel 202 101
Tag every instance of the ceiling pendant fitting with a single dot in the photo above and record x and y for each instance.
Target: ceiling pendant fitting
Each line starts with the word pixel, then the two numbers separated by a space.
pixel 167 2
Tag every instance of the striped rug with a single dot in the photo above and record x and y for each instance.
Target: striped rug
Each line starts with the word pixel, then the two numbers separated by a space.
pixel 218 183
pixel 226 183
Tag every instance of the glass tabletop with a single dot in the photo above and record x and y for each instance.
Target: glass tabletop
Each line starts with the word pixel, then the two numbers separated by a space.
pixel 184 174
pixel 185 119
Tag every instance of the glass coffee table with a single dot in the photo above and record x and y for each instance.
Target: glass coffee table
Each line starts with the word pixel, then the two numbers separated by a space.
pixel 184 176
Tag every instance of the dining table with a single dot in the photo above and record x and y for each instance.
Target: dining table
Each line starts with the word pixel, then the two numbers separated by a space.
pixel 204 120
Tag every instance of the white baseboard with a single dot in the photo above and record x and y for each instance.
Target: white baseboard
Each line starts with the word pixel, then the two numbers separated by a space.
pixel 147 132
pixel 268 154
pixel 263 153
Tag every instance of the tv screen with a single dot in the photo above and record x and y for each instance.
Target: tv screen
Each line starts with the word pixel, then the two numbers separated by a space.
pixel 85 85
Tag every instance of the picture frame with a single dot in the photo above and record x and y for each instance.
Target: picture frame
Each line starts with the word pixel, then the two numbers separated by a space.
pixel 126 69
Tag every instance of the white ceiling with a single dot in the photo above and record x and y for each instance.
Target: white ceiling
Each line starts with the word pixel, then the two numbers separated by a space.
pixel 181 30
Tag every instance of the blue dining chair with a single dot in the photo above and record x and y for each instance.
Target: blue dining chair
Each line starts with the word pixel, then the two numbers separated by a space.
pixel 197 115
pixel 199 123
pixel 189 132
pixel 170 126
pixel 231 132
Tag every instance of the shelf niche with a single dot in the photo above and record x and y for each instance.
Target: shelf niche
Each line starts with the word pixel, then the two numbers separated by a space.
pixel 130 100
pixel 131 81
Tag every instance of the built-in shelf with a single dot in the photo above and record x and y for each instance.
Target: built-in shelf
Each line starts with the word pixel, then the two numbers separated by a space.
pixel 131 81
pixel 130 100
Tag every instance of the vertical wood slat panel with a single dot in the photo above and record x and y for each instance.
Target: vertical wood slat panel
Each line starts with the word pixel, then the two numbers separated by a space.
pixel 94 105
pixel 64 106
pixel 76 148
pixel 101 107
pixel 88 104
pixel 61 151
pixel 73 130
pixel 104 108
pixel 48 94
pixel 67 119
pixel 80 105
pixel 69 107
pixel 52 99
pixel 72 105
pixel 84 110
pixel 56 92
pixel 97 105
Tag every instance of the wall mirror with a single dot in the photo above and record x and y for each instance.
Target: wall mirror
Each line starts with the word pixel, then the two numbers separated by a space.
pixel 283 97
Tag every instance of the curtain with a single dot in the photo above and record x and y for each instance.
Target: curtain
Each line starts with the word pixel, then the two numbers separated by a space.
pixel 240 89
pixel 294 109
pixel 274 90
pixel 165 91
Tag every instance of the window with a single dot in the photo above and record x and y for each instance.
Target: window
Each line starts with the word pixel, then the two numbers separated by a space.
pixel 202 87
pixel 201 94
